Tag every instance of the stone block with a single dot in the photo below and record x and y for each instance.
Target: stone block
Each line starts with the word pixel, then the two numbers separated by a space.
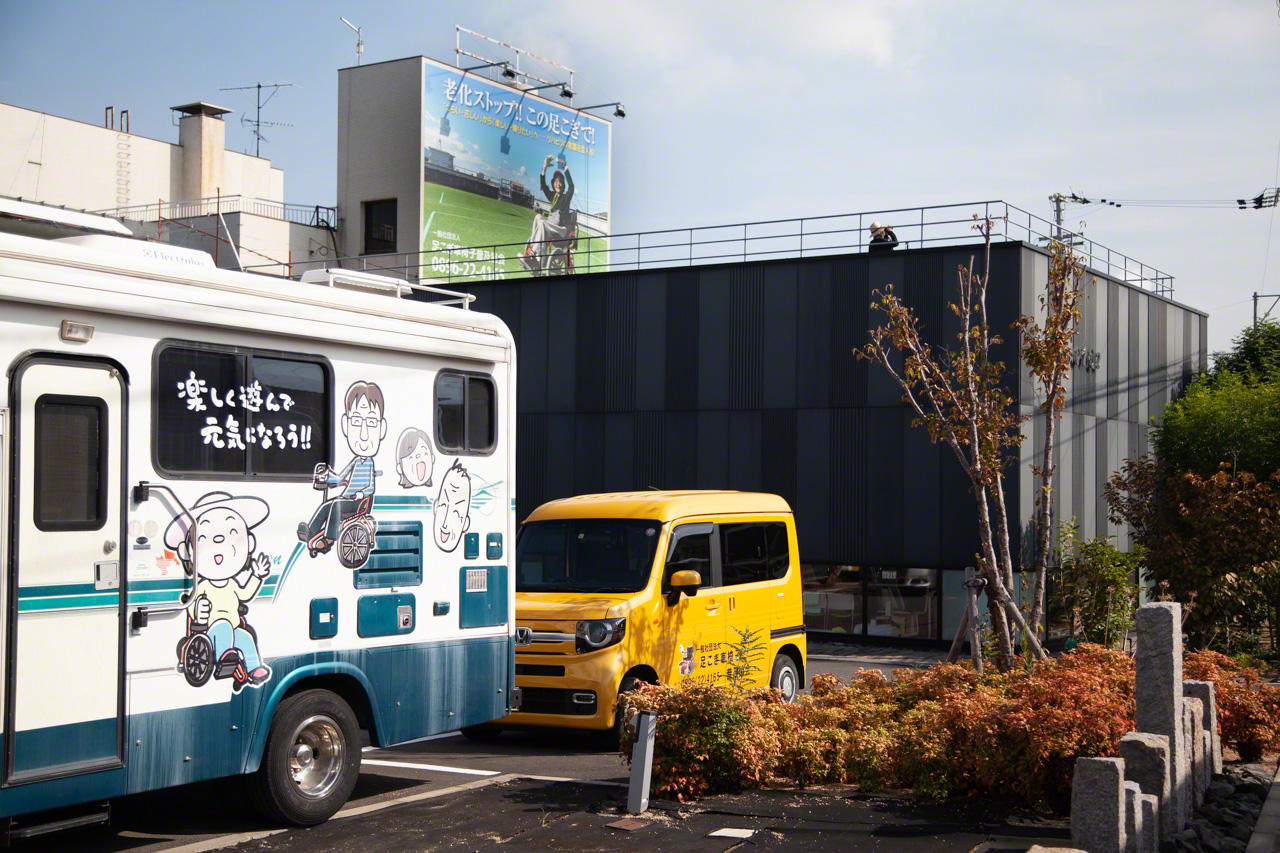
pixel 1150 823
pixel 1158 660
pixel 1146 761
pixel 1133 835
pixel 1198 778
pixel 1098 805
pixel 1204 691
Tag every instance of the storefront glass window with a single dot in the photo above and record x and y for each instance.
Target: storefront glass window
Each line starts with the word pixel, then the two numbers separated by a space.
pixel 832 598
pixel 902 602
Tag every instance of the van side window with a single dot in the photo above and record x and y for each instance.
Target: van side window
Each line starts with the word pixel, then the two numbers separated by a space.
pixel 690 551
pixel 466 413
pixel 744 555
pixel 223 412
pixel 778 547
pixel 71 463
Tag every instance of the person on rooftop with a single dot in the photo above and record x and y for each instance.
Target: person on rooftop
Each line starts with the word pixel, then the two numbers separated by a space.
pixel 882 238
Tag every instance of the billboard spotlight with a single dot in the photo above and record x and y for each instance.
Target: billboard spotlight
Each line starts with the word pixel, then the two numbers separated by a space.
pixel 620 111
pixel 508 72
pixel 566 93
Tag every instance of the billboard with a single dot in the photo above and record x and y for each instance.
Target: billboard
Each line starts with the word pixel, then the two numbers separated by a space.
pixel 503 167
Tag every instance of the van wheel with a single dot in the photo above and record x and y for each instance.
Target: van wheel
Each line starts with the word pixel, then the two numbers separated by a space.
pixel 620 712
pixel 311 761
pixel 785 678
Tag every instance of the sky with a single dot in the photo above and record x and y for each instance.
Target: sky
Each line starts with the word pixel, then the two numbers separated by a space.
pixel 740 111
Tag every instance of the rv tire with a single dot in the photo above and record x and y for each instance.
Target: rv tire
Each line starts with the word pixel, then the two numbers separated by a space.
pixel 314 743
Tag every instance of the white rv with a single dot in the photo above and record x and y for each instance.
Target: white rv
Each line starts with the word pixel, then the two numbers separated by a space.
pixel 244 518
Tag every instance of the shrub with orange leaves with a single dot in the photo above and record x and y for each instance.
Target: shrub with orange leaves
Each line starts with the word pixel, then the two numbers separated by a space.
pixel 1248 709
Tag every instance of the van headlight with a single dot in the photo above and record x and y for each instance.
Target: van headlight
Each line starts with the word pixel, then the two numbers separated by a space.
pixel 595 634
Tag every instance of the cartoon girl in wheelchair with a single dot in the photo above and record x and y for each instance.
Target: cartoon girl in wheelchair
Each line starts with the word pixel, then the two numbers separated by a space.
pixel 216 546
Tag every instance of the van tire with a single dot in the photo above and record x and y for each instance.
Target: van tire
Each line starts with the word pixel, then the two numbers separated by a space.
pixel 786 678
pixel 311 717
pixel 620 710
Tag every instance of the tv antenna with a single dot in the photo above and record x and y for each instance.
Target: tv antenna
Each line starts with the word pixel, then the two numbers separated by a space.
pixel 359 38
pixel 256 122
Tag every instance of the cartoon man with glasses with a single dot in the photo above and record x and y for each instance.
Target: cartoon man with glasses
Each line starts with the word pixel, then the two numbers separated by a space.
pixel 364 425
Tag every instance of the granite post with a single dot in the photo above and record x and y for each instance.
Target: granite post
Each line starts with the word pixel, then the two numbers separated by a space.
pixel 1205 692
pixel 1198 780
pixel 1134 838
pixel 1146 761
pixel 1098 805
pixel 1150 823
pixel 1159 699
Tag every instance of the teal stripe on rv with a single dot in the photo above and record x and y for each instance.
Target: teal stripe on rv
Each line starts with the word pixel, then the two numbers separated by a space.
pixel 69 602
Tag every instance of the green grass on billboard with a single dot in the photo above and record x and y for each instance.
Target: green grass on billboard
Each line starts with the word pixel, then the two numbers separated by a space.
pixel 459 220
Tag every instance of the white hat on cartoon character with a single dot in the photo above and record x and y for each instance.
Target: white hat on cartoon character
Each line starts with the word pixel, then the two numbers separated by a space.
pixel 253 510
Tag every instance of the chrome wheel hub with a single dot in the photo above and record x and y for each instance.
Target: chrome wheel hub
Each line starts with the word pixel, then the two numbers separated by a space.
pixel 316 756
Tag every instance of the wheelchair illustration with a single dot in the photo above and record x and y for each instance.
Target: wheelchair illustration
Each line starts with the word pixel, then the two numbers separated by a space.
pixel 356 526
pixel 196 655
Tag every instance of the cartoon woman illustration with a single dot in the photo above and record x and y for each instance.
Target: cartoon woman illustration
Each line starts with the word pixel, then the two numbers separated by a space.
pixel 414 458
pixel 216 542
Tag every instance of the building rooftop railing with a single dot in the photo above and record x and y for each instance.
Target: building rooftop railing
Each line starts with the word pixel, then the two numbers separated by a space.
pixel 319 216
pixel 814 236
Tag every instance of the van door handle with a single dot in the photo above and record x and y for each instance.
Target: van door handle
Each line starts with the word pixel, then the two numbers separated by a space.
pixel 714 605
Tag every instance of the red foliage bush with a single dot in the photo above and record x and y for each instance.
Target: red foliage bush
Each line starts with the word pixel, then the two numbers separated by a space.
pixel 942 731
pixel 1248 709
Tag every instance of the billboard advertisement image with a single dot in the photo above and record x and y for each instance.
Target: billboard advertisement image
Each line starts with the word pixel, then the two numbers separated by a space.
pixel 513 184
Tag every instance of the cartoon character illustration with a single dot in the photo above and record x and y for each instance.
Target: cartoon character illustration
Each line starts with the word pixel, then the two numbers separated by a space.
pixel 686 659
pixel 345 518
pixel 216 546
pixel 414 458
pixel 451 512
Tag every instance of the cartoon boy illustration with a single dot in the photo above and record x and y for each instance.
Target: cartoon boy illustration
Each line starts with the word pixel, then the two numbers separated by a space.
pixel 364 425
pixel 414 458
pixel 217 544
pixel 451 512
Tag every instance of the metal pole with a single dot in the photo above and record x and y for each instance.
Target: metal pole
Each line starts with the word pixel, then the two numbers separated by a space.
pixel 641 762
pixel 1255 309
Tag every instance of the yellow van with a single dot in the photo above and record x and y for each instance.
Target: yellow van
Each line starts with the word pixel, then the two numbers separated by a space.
pixel 618 589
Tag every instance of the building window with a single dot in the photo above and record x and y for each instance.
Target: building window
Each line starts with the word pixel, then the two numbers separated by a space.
pixel 71 463
pixel 871 601
pixel 380 227
pixel 832 598
pixel 235 413
pixel 466 413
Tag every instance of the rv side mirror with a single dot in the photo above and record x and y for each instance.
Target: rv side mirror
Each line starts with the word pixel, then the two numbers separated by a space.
pixel 686 581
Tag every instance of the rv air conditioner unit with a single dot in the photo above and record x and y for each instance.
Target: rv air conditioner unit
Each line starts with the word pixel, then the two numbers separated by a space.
pixel 356 280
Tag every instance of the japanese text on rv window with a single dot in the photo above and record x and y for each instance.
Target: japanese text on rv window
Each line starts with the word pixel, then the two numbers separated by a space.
pixel 465 413
pixel 239 414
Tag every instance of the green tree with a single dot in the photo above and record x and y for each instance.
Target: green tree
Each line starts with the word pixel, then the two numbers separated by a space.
pixel 1096 586
pixel 1255 353
pixel 1225 418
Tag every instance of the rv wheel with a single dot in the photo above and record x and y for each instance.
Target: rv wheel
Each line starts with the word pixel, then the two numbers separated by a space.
pixel 311 761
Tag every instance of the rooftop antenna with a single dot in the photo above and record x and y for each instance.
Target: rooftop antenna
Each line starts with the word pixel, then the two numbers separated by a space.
pixel 359 38
pixel 256 122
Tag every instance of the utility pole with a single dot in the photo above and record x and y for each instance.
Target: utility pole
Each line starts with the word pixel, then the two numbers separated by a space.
pixel 257 123
pixel 1058 200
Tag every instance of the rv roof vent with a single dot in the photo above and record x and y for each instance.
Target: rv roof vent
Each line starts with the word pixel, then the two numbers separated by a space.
pixel 356 280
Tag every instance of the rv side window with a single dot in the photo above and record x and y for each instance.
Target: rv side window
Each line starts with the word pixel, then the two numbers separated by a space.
pixel 229 413
pixel 71 464
pixel 466 413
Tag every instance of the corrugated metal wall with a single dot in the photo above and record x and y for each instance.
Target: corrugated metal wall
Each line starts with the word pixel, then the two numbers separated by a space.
pixel 742 376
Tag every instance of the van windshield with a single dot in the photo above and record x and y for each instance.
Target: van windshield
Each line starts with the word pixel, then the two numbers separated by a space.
pixel 586 555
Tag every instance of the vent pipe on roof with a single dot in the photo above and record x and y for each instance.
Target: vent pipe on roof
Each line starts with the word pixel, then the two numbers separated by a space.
pixel 109 118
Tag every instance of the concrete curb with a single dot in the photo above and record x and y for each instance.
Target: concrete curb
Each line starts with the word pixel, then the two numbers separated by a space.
pixel 1266 832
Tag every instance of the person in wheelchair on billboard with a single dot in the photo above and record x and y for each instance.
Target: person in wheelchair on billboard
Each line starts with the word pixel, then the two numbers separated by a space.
pixel 346 518
pixel 554 230
pixel 217 548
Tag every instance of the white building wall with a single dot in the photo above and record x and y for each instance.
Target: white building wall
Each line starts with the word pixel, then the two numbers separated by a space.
pixel 61 161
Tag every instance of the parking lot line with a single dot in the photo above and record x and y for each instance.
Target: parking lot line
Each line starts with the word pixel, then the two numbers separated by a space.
pixel 434 767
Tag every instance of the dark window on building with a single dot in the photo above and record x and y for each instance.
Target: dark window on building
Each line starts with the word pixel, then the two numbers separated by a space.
pixel 379 226
pixel 744 556
pixel 71 463
pixel 223 412
pixel 466 414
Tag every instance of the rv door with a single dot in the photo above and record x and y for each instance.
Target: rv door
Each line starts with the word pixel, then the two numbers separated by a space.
pixel 65 662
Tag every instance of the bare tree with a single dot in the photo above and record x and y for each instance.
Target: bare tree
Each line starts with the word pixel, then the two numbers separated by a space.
pixel 959 396
pixel 1048 351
